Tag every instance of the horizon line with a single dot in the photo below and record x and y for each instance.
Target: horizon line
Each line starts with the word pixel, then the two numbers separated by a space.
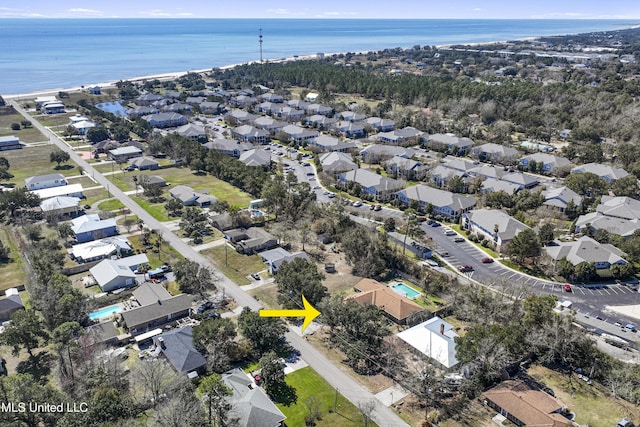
pixel 325 18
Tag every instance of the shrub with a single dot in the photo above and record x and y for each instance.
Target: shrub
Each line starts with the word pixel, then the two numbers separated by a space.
pixel 15 126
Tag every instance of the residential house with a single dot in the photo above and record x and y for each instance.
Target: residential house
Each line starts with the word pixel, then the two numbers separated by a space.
pixel 83 126
pixel 113 274
pixel 492 185
pixel 559 198
pixel 275 257
pixel 522 180
pixel 434 339
pixel 241 116
pixel 251 134
pixel 312 97
pixel 150 292
pixel 442 202
pixel 329 143
pixel 335 163
pixel 91 227
pixel 450 143
pixel 487 171
pixel 144 110
pixel 157 313
pixel 251 240
pixel 165 120
pixel 380 124
pixel 407 168
pixel 350 116
pixel 11 303
pixel 410 245
pixel 619 207
pixel 256 157
pixel 269 124
pixel 143 163
pixel 53 108
pixel 101 249
pixel 585 249
pixel 243 101
pixel 399 136
pixel 222 221
pixel 288 113
pixel 376 153
pixel 298 104
pixel 494 224
pixel 374 185
pixel 441 175
pixel 614 225
pixel 153 181
pixel 491 152
pixel 271 97
pixel 349 129
pixel 211 107
pixel 299 134
pixel 395 306
pixel 104 333
pixel 608 173
pixel 525 406
pixel 253 408
pixel 193 132
pixel 195 100
pixel 545 162
pixel 95 90
pixel 265 107
pixel 10 142
pixel 320 121
pixel 122 154
pixel 190 197
pixel 45 181
pixel 229 147
pixel 73 190
pixel 61 205
pixel 177 347
pixel 148 99
pixel 76 118
pixel 319 109
pixel 42 100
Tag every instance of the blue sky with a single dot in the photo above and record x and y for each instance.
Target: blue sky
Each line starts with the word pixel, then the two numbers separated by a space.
pixel 419 9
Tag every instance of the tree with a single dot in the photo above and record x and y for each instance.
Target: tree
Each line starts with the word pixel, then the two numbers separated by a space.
pixel 586 184
pixel 26 330
pixel 524 245
pixel 173 207
pixel 15 126
pixel 4 169
pixel 264 333
pixel 194 278
pixel 193 219
pixel 585 271
pixel 499 199
pixel 272 376
pixel 58 157
pixel 152 192
pixel 155 377
pixel 97 134
pixel 565 268
pixel 389 224
pixel 24 388
pixel 411 227
pixel 456 184
pixel 214 394
pixel 296 278
pixel 12 202
pixel 627 186
pixel 5 252
pixel 183 409
pixel 546 233
pixel 620 271
pixel 216 338
pixel 65 338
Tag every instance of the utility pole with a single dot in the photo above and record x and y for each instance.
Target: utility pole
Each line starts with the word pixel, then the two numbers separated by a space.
pixel 260 39
pixel 335 401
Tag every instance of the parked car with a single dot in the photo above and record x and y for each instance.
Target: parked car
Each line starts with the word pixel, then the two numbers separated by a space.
pixel 435 224
pixel 255 276
pixel 487 260
pixel 465 268
pixel 377 208
pixel 449 232
pixel 357 204
pixel 458 239
pixel 567 287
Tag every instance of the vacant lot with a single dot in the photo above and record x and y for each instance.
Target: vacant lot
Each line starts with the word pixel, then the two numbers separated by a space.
pixel 11 272
pixel 234 265
pixel 25 135
pixel 312 387
pixel 32 161
pixel 592 404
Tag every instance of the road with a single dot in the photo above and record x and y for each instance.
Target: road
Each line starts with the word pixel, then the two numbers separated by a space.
pixel 347 386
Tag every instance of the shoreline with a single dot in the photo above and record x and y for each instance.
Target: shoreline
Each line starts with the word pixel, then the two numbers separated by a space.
pixel 171 75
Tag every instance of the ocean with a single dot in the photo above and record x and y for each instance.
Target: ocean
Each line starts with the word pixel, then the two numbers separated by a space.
pixel 43 54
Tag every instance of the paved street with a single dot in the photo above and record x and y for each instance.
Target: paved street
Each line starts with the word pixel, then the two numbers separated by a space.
pixel 347 386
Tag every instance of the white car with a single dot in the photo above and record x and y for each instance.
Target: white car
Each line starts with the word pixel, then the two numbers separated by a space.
pixel 449 232
pixel 357 204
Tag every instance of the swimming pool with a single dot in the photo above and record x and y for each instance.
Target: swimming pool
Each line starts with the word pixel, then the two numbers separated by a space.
pixel 105 312
pixel 405 290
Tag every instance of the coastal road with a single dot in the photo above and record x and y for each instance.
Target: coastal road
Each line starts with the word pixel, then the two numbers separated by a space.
pixel 347 386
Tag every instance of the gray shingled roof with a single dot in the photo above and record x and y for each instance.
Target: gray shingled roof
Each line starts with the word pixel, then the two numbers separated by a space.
pixel 439 198
pixel 179 350
pixel 585 249
pixel 487 219
pixel 620 207
pixel 148 313
pixel 603 171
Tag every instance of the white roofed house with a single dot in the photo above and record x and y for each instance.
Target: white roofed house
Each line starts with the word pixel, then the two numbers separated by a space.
pixel 193 132
pixel 256 157
pixel 143 163
pixel 442 202
pixel 320 121
pixel 617 215
pixel 434 339
pixel 10 142
pixel 166 119
pixel 399 136
pixel 251 134
pixel 99 249
pixel 494 224
pixel 380 124
pixel 376 186
pixel 61 205
pixel 319 109
pixel 288 113
pixel 45 181
pixel 269 124
pixel 407 168
pixel 73 190
pixel 240 116
pixel 491 152
pixel 123 154
pixel 559 198
pixel 376 153
pixel 91 227
pixel 83 126
pixel 113 274
pixel 190 197
pixel 545 162
pixel 299 134
pixel 608 173
pixel 335 163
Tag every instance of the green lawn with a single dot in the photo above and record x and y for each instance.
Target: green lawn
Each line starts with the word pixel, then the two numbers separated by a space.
pixel 238 266
pixel 110 205
pixel 156 210
pixel 32 161
pixel 26 135
pixel 11 272
pixel 308 385
pixel 95 195
pixel 167 253
pixel 524 269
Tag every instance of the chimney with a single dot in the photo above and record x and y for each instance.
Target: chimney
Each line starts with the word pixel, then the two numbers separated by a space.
pixel 161 342
pixel 442 329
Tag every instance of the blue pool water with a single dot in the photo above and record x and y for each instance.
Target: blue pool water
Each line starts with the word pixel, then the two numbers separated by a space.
pixel 405 290
pixel 105 312
pixel 113 107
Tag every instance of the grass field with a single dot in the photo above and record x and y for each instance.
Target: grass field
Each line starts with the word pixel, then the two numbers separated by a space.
pixel 26 135
pixel 110 205
pixel 310 385
pixel 239 266
pixel 32 161
pixel 167 253
pixel 95 195
pixel 11 272
pixel 156 210
pixel 592 404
